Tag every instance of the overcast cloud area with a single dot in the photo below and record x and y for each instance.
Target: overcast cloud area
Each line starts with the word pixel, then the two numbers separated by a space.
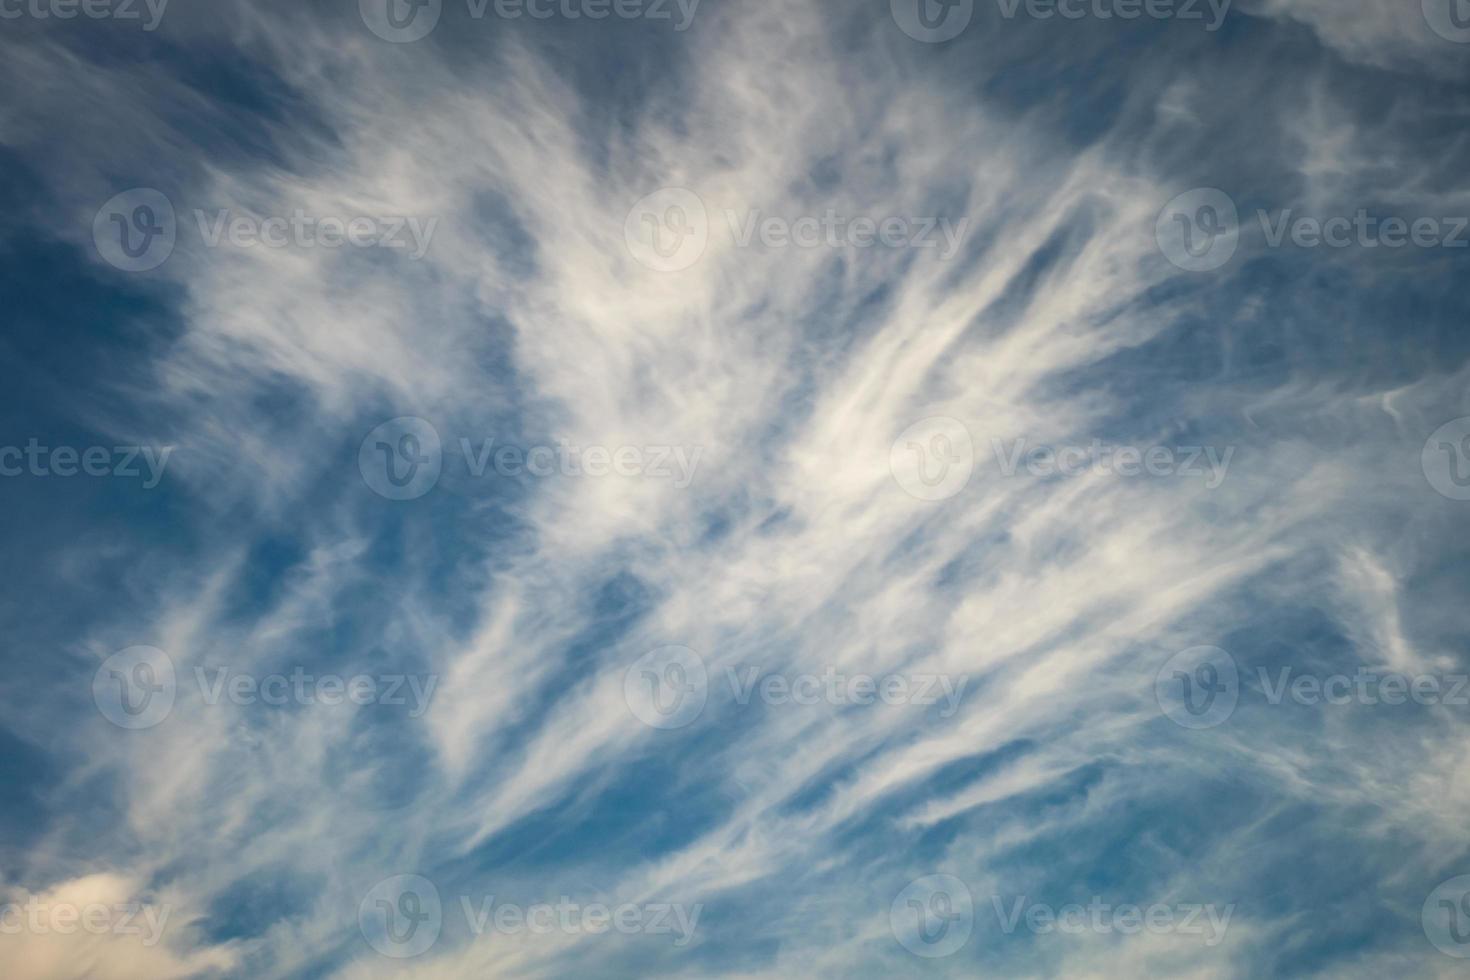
pixel 735 488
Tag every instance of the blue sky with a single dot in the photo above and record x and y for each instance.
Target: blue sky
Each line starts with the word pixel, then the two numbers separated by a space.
pixel 735 489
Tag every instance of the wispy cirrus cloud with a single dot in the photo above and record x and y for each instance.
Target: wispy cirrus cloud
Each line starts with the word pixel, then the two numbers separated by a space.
pixel 843 412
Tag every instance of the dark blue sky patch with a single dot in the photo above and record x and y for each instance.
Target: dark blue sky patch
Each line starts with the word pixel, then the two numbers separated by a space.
pixel 251 905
